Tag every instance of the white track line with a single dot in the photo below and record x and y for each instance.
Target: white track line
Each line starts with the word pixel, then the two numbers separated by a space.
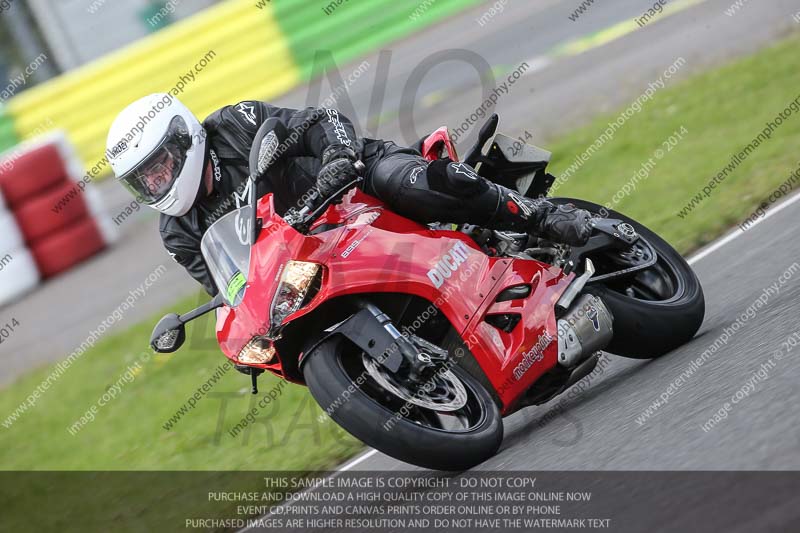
pixel 708 250
pixel 341 469
pixel 738 232
pixel 711 248
pixel 357 460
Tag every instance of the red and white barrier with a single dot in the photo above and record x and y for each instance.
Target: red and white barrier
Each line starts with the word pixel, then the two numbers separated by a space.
pixel 48 224
pixel 10 235
pixel 99 212
pixel 18 272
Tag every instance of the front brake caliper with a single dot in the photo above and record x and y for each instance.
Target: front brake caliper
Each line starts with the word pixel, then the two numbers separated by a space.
pixel 429 357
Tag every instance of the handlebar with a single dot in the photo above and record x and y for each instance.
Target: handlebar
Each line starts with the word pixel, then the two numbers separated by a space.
pixel 302 219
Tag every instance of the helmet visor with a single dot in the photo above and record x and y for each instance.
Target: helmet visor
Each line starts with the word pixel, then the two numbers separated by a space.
pixel 153 178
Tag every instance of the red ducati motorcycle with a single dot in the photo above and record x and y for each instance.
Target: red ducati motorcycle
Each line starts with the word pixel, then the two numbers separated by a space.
pixel 418 339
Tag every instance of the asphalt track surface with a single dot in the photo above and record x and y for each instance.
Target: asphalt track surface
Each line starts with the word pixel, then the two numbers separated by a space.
pixel 760 433
pixel 752 376
pixel 554 95
pixel 596 429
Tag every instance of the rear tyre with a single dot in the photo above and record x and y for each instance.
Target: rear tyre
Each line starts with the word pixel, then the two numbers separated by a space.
pixel 656 310
pixel 336 375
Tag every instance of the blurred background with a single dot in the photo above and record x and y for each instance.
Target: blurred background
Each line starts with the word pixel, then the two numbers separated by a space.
pixel 83 274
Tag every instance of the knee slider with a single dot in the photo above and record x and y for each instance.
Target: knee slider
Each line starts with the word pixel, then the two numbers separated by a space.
pixel 457 179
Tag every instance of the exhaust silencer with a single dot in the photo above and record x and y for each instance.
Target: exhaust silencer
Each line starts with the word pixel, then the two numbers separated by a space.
pixel 585 328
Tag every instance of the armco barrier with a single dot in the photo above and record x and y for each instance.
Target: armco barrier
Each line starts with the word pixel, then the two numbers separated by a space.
pixel 245 52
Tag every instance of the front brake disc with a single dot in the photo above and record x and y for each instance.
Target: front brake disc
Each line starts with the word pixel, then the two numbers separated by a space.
pixel 442 392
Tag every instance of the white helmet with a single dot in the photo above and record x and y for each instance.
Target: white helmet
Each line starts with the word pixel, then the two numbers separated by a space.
pixel 156 147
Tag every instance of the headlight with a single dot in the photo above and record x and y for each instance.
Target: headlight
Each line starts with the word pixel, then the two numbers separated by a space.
pixel 296 280
pixel 258 350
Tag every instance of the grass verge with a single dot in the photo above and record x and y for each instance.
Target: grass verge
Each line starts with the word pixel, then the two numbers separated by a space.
pixel 128 433
pixel 721 112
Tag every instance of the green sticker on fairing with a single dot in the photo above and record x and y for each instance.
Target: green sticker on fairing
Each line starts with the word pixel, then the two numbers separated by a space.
pixel 235 285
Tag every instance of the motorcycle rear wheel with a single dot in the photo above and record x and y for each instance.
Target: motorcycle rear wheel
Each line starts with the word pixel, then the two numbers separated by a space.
pixel 656 310
pixel 337 377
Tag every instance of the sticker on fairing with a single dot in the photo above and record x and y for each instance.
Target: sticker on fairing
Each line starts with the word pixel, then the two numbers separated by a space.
pixel 235 285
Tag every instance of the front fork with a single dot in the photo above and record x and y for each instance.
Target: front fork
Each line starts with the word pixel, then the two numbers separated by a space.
pixel 374 332
pixel 419 357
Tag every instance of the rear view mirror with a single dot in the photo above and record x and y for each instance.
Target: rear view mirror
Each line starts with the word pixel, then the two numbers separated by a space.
pixel 168 335
pixel 170 332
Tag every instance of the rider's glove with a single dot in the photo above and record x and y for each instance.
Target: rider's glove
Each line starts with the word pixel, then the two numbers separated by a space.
pixel 567 224
pixel 338 169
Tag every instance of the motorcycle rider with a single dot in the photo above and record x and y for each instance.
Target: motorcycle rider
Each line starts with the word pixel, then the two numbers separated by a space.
pixel 194 173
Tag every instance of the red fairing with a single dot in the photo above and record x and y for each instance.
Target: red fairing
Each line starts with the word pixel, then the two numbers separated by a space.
pixel 377 251
pixel 437 144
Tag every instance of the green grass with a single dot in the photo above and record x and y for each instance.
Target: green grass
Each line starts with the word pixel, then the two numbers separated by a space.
pixel 722 111
pixel 128 435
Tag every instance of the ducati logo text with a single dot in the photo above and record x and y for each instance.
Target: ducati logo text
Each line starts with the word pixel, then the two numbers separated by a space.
pixel 449 264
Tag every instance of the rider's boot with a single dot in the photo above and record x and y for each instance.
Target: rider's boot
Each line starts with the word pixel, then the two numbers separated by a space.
pixel 502 209
pixel 559 223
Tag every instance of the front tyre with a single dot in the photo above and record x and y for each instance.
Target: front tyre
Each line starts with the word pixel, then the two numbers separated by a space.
pixel 655 310
pixel 343 382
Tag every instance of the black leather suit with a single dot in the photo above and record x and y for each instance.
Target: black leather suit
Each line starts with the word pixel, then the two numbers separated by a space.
pixel 401 177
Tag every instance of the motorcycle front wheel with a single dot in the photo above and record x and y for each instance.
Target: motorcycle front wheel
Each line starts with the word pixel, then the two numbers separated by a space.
pixel 449 423
pixel 655 310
